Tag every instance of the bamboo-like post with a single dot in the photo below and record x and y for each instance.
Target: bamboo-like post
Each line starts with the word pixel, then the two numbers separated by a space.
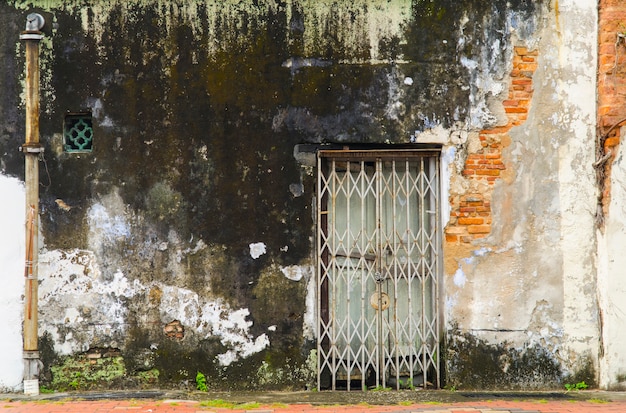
pixel 32 150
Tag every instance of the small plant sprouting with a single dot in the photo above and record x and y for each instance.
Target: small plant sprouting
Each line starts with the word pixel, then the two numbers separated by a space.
pixel 409 384
pixel 201 382
pixel 581 385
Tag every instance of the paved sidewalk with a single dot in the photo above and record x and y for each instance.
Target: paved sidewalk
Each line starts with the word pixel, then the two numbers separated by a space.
pixel 570 405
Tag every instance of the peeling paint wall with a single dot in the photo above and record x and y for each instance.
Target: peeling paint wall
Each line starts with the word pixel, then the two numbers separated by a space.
pixel 612 287
pixel 530 281
pixel 184 241
pixel 610 174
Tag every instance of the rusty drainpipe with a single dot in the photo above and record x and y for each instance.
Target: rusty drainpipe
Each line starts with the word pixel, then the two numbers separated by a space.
pixel 32 150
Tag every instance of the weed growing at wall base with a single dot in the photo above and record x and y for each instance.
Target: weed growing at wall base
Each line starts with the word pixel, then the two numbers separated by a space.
pixel 581 385
pixel 201 382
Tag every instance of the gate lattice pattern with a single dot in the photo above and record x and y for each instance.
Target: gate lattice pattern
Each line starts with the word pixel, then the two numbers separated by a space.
pixel 379 255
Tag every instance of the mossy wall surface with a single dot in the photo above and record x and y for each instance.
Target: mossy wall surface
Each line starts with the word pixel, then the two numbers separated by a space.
pixel 197 108
pixel 472 363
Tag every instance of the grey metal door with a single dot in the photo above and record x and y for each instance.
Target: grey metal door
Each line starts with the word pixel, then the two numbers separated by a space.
pixel 379 255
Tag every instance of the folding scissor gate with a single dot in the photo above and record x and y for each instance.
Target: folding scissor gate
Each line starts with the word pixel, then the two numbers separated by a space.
pixel 379 258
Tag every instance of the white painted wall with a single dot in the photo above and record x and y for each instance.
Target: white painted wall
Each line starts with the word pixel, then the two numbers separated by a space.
pixel 612 279
pixel 12 264
pixel 533 280
pixel 576 42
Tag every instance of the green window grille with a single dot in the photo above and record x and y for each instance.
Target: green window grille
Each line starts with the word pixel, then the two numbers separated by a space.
pixel 78 132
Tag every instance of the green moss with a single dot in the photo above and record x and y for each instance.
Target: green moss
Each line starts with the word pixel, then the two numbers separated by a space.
pixel 164 203
pixel 294 374
pixel 48 357
pixel 82 373
pixel 472 363
pixel 217 403
pixel 270 369
pixel 278 300
pixel 148 378
pixel 195 128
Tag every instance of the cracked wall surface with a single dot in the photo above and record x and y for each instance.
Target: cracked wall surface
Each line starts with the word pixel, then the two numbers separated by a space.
pixel 185 240
pixel 610 176
pixel 530 278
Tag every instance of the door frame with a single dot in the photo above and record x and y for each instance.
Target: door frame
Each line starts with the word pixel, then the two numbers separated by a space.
pixel 359 378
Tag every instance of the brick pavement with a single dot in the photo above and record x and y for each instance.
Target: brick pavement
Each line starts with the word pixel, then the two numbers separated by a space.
pixel 183 406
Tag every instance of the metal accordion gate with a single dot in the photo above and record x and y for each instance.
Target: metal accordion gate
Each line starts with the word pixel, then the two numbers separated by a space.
pixel 379 258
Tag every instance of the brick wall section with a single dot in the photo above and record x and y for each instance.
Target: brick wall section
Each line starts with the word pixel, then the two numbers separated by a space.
pixel 611 87
pixel 470 216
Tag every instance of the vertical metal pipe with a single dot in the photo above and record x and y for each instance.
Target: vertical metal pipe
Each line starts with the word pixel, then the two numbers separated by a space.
pixel 32 149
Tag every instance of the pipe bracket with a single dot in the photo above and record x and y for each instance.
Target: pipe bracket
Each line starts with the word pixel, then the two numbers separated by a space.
pixel 31 36
pixel 30 354
pixel 30 148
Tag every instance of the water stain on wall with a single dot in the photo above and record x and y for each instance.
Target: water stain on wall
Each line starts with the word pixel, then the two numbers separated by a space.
pixel 197 109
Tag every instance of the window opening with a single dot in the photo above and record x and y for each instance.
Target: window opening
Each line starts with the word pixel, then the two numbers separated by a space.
pixel 78 132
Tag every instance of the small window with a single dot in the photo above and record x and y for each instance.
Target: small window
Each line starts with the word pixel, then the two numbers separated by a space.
pixel 78 132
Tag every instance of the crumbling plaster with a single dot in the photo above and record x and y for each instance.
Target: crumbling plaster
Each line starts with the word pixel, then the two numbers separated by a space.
pixel 532 279
pixel 214 229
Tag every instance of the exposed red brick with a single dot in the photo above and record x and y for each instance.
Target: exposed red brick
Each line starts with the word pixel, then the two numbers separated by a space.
pixel 610 142
pixel 492 172
pixel 452 238
pixel 498 130
pixel 479 229
pixel 527 67
pixel 606 48
pixel 471 221
pixel 611 81
pixel 456 230
pixel 471 215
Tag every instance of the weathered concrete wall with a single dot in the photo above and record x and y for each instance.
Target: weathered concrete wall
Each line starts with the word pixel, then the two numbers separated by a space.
pixel 520 253
pixel 184 241
pixel 612 286
pixel 610 164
